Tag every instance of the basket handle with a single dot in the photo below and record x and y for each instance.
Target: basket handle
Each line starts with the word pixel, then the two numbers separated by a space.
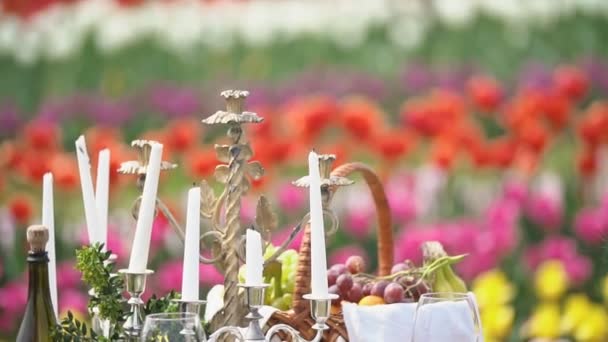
pixel 385 229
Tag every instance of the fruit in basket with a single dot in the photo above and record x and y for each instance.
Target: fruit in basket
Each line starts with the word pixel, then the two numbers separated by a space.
pixel 355 264
pixel 394 293
pixel 405 284
pixel 371 300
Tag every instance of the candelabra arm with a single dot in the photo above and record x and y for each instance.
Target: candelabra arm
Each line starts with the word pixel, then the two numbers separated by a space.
pixel 229 331
pixel 169 216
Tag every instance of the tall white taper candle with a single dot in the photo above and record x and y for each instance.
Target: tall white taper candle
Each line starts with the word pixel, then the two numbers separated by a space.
pixel 143 231
pixel 190 272
pixel 102 193
pixel 318 259
pixel 254 259
pixel 88 196
pixel 48 220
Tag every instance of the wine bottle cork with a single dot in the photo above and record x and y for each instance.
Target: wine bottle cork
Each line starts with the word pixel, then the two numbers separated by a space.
pixel 37 237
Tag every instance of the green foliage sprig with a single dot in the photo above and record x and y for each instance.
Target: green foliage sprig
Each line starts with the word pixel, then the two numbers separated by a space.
pixel 97 273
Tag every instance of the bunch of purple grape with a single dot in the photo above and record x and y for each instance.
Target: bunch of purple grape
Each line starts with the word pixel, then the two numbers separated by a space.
pixel 347 281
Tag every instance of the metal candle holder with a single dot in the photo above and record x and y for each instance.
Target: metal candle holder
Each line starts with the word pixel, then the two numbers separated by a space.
pixel 135 285
pixel 320 311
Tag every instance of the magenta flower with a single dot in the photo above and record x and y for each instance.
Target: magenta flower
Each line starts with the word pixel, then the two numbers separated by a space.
pixel 209 275
pixel 290 198
pixel 175 102
pixel 169 276
pixel 401 198
pixel 545 211
pixel 408 243
pixel 160 227
pixel 67 275
pixel 116 243
pixel 476 263
pixel 13 297
pixel 358 223
pixel 515 191
pixel 280 236
pixel 579 269
pixel 72 300
pixel 248 210
pixel 590 227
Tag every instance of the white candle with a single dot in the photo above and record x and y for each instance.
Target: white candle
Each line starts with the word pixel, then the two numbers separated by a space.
pixel 102 193
pixel 190 276
pixel 143 231
pixel 88 196
pixel 48 220
pixel 318 260
pixel 253 258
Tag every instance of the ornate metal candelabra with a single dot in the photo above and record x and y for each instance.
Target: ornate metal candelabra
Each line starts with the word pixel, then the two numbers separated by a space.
pixel 225 238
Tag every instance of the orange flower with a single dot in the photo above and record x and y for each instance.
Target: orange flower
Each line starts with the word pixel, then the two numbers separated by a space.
pixel 181 135
pixel 65 170
pixel 444 152
pixel 120 153
pixel 430 116
pixel 587 162
pixel 34 165
pixel 556 108
pixel 485 92
pixel 20 207
pixel 571 82
pixel 100 137
pixel 264 128
pixel 534 135
pixel 361 117
pixel 393 144
pixel 309 116
pixel 502 151
pixel 594 125
pixel 525 107
pixel 200 163
pixel 41 136
pixel 10 157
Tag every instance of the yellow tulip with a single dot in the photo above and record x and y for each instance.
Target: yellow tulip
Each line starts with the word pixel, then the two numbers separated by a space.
pixel 576 309
pixel 551 280
pixel 497 321
pixel 492 288
pixel 545 321
pixel 593 327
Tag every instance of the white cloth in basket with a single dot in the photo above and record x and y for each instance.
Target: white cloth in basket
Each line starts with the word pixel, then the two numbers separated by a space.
pixel 395 323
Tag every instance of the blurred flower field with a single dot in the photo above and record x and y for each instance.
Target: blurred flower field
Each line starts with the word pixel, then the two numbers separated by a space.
pixel 495 151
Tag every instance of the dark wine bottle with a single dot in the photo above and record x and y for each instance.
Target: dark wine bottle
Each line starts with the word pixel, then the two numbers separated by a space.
pixel 39 319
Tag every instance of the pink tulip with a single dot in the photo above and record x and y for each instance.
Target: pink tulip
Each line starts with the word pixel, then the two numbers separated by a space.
pixel 579 269
pixel 67 275
pixel 590 227
pixel 545 211
pixel 290 198
pixel 209 275
pixel 358 223
pixel 515 191
pixel 169 277
pixel 72 300
pixel 280 236
pixel 409 241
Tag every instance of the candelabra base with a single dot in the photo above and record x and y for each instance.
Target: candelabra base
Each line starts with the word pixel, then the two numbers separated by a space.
pixel 135 285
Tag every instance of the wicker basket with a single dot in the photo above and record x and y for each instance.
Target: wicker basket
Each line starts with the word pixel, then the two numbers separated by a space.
pixel 299 316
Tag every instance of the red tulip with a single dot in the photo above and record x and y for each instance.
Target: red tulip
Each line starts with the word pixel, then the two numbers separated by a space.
pixel 485 92
pixel 571 82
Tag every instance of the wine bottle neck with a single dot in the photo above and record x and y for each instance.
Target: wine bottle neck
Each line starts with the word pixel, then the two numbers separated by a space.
pixel 38 274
